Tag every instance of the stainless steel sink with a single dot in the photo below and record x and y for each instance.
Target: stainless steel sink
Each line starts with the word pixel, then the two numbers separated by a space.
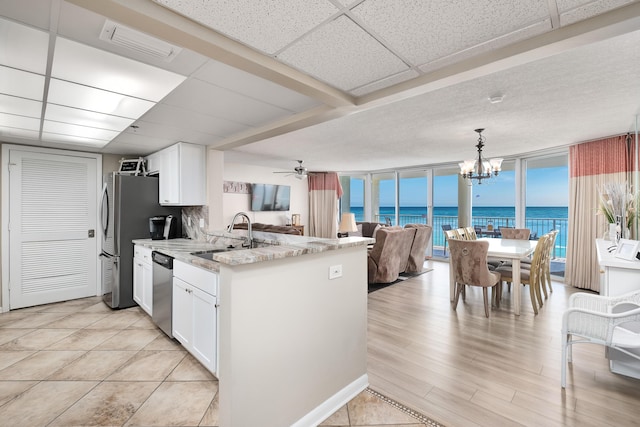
pixel 208 254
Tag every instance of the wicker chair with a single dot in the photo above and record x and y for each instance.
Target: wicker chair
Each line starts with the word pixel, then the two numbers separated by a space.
pixel 595 319
pixel 532 276
pixel 470 233
pixel 546 282
pixel 445 229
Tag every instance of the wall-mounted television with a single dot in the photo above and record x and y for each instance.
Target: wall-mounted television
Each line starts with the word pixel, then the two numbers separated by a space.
pixel 270 197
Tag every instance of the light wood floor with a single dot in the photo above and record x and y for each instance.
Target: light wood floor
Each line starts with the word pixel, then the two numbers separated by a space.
pixel 462 369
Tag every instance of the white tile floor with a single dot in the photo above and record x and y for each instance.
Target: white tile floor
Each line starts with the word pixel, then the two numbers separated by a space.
pixel 79 363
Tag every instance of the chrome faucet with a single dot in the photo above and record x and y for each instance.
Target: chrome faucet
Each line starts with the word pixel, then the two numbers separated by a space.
pixel 249 242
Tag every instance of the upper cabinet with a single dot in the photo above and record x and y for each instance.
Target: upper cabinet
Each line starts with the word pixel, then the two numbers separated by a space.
pixel 182 169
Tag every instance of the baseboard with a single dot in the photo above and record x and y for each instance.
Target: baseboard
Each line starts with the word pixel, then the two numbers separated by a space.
pixel 332 404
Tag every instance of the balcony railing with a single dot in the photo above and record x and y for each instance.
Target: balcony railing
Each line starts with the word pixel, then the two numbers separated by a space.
pixel 538 227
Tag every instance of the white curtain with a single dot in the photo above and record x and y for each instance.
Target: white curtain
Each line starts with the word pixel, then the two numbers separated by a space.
pixel 324 192
pixel 592 165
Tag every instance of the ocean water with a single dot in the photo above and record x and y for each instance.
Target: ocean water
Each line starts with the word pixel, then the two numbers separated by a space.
pixel 540 219
pixel 477 211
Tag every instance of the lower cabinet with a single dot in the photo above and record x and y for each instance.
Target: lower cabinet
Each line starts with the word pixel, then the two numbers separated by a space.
pixel 143 279
pixel 195 312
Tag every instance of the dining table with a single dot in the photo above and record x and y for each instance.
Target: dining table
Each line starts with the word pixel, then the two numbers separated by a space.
pixel 505 249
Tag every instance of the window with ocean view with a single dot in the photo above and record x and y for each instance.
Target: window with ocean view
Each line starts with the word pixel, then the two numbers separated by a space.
pixel 352 199
pixel 547 199
pixel 430 196
pixel 383 196
pixel 445 203
pixel 413 190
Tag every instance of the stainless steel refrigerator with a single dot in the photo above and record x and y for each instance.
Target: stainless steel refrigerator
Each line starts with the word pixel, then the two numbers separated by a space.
pixel 128 202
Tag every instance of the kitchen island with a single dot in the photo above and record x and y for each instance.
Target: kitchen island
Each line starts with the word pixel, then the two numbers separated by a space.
pixel 292 321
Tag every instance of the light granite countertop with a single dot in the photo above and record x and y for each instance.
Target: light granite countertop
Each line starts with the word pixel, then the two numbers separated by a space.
pixel 270 246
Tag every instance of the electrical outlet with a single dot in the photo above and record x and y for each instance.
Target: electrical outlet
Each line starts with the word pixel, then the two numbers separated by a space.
pixel 201 222
pixel 335 271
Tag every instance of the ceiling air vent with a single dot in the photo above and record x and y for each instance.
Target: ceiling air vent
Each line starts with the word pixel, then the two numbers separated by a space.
pixel 137 41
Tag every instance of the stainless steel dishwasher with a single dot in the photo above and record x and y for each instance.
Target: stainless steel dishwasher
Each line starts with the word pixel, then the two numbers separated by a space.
pixel 162 291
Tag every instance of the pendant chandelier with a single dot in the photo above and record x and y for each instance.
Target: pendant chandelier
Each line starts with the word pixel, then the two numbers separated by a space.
pixel 480 168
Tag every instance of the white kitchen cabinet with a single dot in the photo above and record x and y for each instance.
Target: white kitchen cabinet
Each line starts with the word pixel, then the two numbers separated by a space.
pixel 153 163
pixel 195 312
pixel 182 171
pixel 181 311
pixel 143 278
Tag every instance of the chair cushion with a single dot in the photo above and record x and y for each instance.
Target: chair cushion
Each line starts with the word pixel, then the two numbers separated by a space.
pixel 626 338
pixel 507 273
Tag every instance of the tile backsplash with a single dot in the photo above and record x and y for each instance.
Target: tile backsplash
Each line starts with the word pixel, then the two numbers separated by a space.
pixel 191 216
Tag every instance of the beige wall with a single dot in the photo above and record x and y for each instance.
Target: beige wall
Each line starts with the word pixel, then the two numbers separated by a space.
pixel 223 206
pixel 233 203
pixel 111 163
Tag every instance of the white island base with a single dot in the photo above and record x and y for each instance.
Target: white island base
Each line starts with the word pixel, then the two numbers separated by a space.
pixel 292 342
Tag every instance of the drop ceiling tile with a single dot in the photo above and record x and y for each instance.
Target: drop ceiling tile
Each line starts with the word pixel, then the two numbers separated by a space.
pixel 20 106
pixel 264 25
pixel 424 31
pixel 78 130
pixel 88 98
pixel 76 23
pixel 130 149
pixel 211 100
pixel 59 113
pixel 577 10
pixel 149 144
pixel 342 54
pixel 525 33
pixel 194 120
pixel 172 133
pixel 253 86
pixel 346 3
pixel 33 135
pixel 93 67
pixel 23 47
pixel 381 84
pixel 73 139
pixel 19 122
pixel 21 83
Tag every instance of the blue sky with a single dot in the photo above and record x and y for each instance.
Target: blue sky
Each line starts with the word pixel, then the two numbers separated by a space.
pixel 545 187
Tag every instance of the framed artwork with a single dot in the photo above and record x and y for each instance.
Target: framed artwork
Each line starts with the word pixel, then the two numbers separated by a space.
pixel 627 249
pixel 236 187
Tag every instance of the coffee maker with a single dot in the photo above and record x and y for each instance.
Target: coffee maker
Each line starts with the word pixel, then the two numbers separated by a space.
pixel 162 227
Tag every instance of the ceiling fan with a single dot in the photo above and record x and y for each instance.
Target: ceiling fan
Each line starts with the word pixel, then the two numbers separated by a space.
pixel 299 171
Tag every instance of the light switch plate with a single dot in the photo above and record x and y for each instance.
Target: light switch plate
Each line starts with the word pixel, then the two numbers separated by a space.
pixel 335 271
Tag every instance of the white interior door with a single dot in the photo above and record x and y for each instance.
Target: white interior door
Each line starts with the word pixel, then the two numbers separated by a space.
pixel 52 228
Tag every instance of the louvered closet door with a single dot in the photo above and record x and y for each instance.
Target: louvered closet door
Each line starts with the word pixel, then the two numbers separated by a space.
pixel 53 204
